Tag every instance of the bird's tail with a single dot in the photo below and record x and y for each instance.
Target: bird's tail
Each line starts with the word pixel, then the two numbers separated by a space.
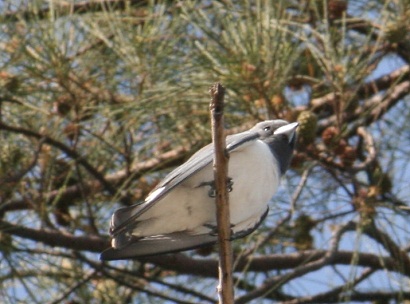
pixel 160 244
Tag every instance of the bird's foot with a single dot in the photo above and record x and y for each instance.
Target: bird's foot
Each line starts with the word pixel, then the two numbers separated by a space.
pixel 214 228
pixel 212 190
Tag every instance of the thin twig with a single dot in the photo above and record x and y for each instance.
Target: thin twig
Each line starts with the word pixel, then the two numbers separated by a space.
pixel 276 282
pixel 64 148
pixel 75 192
pixel 72 289
pixel 397 253
pixel 295 197
pixel 333 294
pixel 225 288
pixel 17 176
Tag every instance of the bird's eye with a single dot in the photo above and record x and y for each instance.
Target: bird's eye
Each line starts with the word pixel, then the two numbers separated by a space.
pixel 266 129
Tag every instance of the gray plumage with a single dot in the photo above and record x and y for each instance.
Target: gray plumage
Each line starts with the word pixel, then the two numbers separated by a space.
pixel 179 214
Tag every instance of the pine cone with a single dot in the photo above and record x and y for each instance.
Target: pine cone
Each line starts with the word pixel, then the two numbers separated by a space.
pixel 330 135
pixel 336 8
pixel 396 31
pixel 348 156
pixel 278 101
pixel 307 126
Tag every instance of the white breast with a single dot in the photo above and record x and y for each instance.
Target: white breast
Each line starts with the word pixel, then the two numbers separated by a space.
pixel 256 180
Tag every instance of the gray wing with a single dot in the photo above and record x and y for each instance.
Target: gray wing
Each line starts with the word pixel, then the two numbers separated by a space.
pixel 124 218
pixel 173 242
pixel 201 159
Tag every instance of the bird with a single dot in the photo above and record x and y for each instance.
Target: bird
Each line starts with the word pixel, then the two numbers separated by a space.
pixel 180 213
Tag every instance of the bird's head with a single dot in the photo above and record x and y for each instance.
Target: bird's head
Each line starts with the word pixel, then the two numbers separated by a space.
pixel 280 135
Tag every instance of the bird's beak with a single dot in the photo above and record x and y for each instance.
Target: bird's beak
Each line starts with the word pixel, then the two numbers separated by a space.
pixel 288 130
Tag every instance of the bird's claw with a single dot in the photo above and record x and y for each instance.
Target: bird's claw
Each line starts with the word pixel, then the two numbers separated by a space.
pixel 212 190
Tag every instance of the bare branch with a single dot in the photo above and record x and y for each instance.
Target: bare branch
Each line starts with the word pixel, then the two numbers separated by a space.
pixel 384 82
pixel 395 251
pixel 373 109
pixel 363 91
pixel 56 238
pixel 381 106
pixel 74 287
pixel 333 295
pixel 273 283
pixel 225 288
pixel 370 147
pixel 208 267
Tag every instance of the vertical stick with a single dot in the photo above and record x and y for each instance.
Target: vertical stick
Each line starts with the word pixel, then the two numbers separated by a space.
pixel 220 165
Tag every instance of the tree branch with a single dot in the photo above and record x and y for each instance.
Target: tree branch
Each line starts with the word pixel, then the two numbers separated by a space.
pixel 370 147
pixel 333 295
pixel 373 109
pixel 395 251
pixel 274 283
pixel 57 238
pixel 17 176
pixel 74 192
pixel 225 288
pixel 184 264
pixel 67 150
pixel 364 90
pixel 63 8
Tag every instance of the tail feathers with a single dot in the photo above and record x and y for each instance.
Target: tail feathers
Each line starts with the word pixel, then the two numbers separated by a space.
pixel 160 244
pixel 126 219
